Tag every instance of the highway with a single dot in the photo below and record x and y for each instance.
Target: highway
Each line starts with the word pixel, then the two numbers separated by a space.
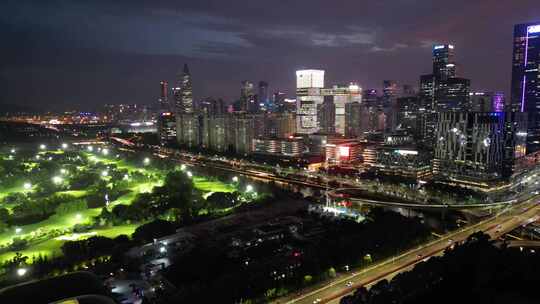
pixel 497 225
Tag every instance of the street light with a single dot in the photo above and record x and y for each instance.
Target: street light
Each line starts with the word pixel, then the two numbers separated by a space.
pixel 249 188
pixel 183 167
pixel 90 148
pixel 63 171
pixel 64 146
pixel 57 180
pixel 105 151
pixel 21 271
pixel 18 230
pixel 12 151
pixel 42 147
pixel 78 216
pixel 27 186
pixel 189 174
pixel 146 161
pixel 104 173
pixel 235 179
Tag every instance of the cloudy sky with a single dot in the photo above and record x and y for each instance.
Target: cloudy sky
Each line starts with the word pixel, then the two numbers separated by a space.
pixel 70 53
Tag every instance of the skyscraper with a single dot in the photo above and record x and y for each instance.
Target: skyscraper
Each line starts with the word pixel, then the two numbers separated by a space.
pixel 353 116
pixel 326 115
pixel 163 96
pixel 247 97
pixel 262 96
pixel 185 104
pixel 525 89
pixel 308 91
pixel 444 66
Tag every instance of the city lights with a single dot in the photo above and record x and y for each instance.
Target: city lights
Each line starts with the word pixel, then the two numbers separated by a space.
pixel 146 161
pixel 90 148
pixel 27 186
pixel 42 147
pixel 64 146
pixel 235 179
pixel 104 173
pixel 105 151
pixel 189 174
pixel 249 188
pixel 18 230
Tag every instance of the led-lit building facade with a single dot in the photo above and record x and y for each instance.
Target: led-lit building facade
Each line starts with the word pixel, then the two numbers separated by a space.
pixel 525 88
pixel 477 148
pixel 486 102
pixel 308 96
pixel 405 162
pixel 290 147
pixel 343 152
pixel 341 96
pixel 184 98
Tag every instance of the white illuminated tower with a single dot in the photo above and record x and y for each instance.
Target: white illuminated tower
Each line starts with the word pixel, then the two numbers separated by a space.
pixel 308 91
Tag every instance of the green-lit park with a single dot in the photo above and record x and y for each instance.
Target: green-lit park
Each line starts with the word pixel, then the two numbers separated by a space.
pixel 50 195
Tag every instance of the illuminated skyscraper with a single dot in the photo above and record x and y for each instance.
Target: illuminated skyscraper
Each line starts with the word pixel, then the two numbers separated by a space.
pixel 308 91
pixel 525 90
pixel 247 97
pixel 184 92
pixel 263 97
pixel 444 66
pixel 163 96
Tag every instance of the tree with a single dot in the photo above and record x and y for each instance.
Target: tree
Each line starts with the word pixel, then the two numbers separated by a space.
pixel 153 230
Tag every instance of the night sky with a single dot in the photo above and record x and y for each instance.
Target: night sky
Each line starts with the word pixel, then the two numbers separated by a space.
pixel 67 54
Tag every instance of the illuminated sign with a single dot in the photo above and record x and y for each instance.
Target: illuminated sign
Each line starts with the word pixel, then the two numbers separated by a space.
pixel 450 46
pixel 407 152
pixel 344 151
pixel 438 47
pixel 533 29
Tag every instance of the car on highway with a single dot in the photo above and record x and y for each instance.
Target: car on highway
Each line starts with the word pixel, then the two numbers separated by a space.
pixel 349 284
pixel 317 301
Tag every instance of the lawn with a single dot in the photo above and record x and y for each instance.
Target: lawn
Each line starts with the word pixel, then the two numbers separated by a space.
pixel 52 247
pixel 63 222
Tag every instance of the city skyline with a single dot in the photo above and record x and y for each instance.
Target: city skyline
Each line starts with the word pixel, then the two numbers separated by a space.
pixel 215 40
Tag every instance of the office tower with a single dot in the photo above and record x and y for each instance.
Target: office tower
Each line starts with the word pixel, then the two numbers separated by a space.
pixel 427 91
pixel 390 91
pixel 163 96
pixel 185 104
pixel 486 102
pixel 278 100
pixel 308 91
pixel 166 128
pixel 353 117
pixel 370 96
pixel 477 148
pixel 326 115
pixel 452 94
pixel 525 89
pixel 247 97
pixel 263 98
pixel 342 95
pixel 448 92
pixel 390 95
pixel 444 66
